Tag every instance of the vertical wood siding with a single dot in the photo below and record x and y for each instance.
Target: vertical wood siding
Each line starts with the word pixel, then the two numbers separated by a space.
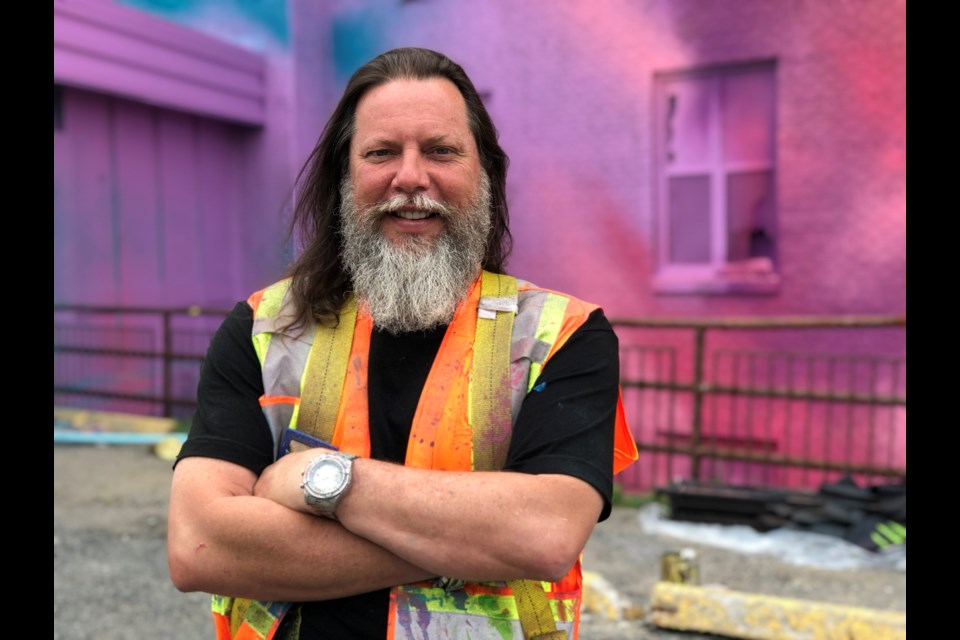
pixel 145 205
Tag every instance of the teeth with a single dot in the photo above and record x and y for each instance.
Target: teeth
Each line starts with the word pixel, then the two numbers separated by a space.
pixel 413 215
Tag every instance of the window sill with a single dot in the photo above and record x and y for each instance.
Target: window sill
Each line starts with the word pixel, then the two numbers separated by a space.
pixel 733 279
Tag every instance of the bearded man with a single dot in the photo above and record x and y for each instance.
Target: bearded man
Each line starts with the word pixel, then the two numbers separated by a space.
pixel 462 427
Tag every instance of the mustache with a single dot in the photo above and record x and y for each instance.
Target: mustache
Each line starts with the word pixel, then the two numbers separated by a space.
pixel 418 201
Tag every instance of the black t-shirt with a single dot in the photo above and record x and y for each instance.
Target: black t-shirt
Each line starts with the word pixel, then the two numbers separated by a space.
pixel 565 425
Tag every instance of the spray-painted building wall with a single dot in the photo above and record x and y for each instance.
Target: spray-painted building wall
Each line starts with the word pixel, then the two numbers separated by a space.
pixel 668 157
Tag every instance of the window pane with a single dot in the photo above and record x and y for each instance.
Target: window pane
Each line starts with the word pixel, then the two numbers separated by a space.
pixel 689 219
pixel 750 232
pixel 687 122
pixel 747 106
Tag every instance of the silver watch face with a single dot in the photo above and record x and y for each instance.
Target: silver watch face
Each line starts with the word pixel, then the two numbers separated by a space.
pixel 326 478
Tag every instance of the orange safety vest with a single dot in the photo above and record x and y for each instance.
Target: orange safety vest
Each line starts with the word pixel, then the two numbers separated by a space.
pixel 317 379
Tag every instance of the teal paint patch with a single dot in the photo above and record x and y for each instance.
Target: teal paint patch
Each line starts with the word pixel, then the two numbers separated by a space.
pixel 266 16
pixel 270 14
pixel 540 387
pixel 172 9
pixel 165 7
pixel 357 38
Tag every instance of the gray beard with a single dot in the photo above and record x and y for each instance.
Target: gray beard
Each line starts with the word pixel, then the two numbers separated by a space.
pixel 418 284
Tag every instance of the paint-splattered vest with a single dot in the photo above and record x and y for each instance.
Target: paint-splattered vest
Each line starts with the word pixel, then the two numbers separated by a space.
pixel 470 400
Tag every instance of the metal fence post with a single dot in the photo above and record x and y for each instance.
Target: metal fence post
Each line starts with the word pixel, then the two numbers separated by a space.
pixel 699 388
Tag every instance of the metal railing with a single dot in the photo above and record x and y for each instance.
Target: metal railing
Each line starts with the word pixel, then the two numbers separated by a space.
pixel 784 414
pixel 753 409
pixel 136 359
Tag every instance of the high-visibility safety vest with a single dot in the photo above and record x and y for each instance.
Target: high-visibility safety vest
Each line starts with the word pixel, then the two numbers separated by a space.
pixel 490 358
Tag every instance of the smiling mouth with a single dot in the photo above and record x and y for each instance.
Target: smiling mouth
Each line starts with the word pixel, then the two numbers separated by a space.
pixel 413 214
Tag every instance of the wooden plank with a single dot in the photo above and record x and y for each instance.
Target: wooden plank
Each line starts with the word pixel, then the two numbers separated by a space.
pixel 180 193
pixel 219 152
pixel 137 203
pixel 157 57
pixel 85 248
pixel 74 68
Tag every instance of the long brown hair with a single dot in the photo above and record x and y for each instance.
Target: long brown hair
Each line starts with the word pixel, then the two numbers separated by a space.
pixel 319 281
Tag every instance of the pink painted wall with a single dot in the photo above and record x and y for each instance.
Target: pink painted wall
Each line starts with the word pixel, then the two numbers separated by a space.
pixel 570 91
pixel 570 87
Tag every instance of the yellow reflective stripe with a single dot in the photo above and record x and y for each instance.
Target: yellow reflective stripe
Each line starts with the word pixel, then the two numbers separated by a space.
pixel 221 604
pixel 533 608
pixel 501 607
pixel 272 299
pixel 269 306
pixel 491 419
pixel 261 342
pixel 258 618
pixel 294 416
pixel 322 383
pixel 551 320
pixel 237 613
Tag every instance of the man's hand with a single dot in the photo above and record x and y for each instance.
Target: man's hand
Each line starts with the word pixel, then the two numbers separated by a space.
pixel 280 482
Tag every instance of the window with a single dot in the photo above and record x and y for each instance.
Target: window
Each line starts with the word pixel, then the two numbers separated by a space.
pixel 715 167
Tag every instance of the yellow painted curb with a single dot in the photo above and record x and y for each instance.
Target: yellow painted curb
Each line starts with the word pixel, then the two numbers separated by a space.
pixel 602 599
pixel 167 449
pixel 84 420
pixel 722 611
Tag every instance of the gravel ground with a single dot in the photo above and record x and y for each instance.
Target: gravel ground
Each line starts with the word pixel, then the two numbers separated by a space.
pixel 111 582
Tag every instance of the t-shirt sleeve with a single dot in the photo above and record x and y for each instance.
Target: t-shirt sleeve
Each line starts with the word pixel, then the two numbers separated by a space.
pixel 228 423
pixel 566 423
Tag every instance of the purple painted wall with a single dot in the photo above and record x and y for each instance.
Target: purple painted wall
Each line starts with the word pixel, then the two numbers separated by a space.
pixel 571 88
pixel 172 161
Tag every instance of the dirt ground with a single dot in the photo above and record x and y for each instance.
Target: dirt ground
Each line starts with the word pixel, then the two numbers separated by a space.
pixel 111 580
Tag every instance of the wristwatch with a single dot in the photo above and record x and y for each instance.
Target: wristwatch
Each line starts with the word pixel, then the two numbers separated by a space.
pixel 326 480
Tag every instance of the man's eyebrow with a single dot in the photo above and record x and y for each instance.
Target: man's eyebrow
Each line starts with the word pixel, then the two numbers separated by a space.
pixel 387 142
pixel 446 139
pixel 379 142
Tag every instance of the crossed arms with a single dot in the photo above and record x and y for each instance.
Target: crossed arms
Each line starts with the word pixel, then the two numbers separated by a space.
pixel 233 533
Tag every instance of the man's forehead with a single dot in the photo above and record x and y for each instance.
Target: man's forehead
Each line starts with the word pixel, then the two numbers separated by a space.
pixel 434 105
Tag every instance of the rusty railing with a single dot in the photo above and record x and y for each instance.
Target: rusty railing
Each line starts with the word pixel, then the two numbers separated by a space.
pixel 789 401
pixel 136 359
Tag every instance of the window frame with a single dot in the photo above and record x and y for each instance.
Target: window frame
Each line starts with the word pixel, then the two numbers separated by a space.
pixel 719 275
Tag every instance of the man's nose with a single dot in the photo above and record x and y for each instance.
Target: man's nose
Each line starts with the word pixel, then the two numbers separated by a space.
pixel 412 175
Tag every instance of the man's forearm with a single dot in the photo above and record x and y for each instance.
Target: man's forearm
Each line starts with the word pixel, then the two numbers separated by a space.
pixel 242 545
pixel 476 526
pixel 470 525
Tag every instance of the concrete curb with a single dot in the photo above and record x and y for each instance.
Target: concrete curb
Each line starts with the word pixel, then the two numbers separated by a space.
pixel 721 611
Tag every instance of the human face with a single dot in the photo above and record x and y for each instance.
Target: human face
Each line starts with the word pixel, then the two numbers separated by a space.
pixel 412 137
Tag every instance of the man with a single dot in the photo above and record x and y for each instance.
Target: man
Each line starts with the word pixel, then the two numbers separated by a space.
pixel 484 411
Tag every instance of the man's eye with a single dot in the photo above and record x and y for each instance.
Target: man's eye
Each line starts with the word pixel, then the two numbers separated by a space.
pixel 443 151
pixel 379 153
